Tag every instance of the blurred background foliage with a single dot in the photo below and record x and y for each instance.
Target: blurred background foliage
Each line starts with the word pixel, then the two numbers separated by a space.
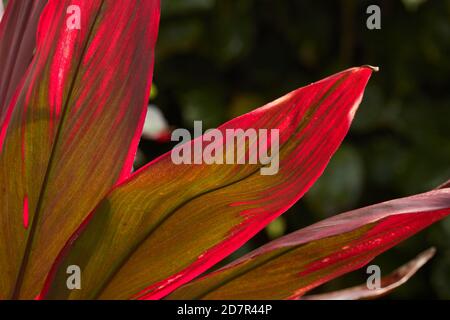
pixel 217 59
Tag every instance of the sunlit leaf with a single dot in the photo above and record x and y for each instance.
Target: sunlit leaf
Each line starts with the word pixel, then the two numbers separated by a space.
pixel 290 266
pixel 388 283
pixel 169 223
pixel 74 129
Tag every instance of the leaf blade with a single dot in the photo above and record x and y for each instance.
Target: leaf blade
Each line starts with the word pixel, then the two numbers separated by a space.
pixel 152 212
pixel 388 283
pixel 84 97
pixel 303 260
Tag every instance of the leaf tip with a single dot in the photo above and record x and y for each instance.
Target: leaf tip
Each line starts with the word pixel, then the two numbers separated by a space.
pixel 373 68
pixel 429 253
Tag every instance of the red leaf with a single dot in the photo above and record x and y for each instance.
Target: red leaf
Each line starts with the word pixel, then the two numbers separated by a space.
pixel 289 267
pixel 169 223
pixel 388 283
pixel 74 129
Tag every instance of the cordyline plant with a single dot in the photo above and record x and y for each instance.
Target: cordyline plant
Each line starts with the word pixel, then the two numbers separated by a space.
pixel 72 107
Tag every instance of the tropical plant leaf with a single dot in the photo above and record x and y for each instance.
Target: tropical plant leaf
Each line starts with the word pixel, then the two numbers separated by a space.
pixel 17 42
pixel 74 129
pixel 290 266
pixel 169 223
pixel 388 283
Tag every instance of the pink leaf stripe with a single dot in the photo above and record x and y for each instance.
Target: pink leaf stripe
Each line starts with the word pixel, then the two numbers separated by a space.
pixel 25 212
pixel 73 129
pixel 17 42
pixel 169 223
pixel 289 267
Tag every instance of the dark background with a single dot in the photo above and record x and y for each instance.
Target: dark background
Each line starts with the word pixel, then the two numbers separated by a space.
pixel 217 59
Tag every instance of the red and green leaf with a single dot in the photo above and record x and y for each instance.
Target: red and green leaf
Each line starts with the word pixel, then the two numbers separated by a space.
pixel 169 223
pixel 289 267
pixel 73 131
pixel 387 284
